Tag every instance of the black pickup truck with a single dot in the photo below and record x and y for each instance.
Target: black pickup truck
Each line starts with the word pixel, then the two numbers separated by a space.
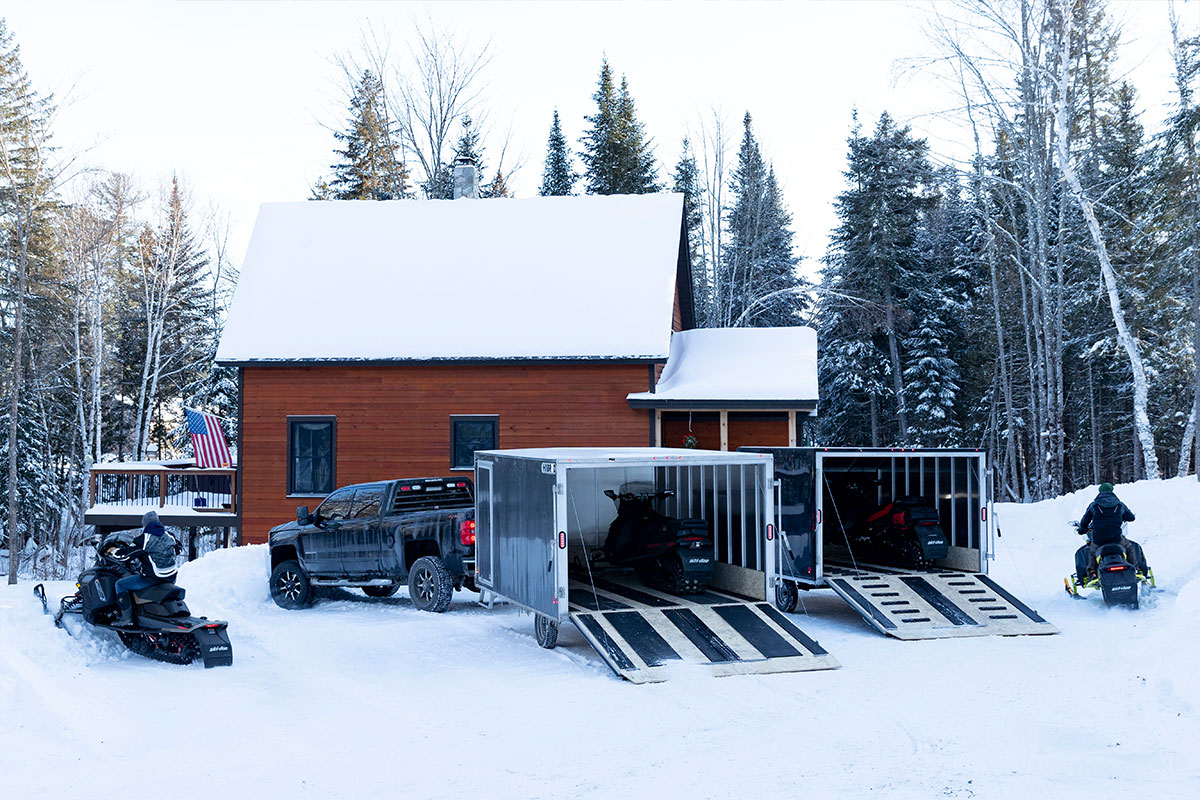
pixel 378 536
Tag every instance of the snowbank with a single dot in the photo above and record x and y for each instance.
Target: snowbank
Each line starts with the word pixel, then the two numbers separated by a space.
pixel 359 696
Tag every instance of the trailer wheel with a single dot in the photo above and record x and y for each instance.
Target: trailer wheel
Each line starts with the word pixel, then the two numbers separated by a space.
pixel 786 596
pixel 546 631
pixel 430 586
pixel 381 591
pixel 290 587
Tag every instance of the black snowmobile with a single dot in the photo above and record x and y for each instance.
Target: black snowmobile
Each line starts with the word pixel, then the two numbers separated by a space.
pixel 906 532
pixel 1117 579
pixel 675 555
pixel 163 629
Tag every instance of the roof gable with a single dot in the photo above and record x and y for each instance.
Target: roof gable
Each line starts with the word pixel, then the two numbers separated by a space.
pixel 561 278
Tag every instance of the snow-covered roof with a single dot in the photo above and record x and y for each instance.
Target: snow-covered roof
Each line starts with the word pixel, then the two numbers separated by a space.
pixel 539 278
pixel 737 368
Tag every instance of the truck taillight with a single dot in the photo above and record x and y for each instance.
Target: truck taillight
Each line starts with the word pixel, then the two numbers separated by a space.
pixel 466 531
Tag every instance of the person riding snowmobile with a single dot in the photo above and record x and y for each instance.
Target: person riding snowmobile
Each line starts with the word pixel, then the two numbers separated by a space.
pixel 1104 518
pixel 155 551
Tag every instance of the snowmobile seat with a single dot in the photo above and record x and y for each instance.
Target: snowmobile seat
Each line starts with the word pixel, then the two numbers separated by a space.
pixel 160 593
pixel 1110 550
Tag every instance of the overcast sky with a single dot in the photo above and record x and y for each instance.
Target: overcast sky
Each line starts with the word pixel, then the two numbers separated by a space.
pixel 237 97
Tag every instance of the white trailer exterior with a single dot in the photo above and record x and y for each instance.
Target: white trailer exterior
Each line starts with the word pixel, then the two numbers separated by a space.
pixel 541 512
pixel 821 496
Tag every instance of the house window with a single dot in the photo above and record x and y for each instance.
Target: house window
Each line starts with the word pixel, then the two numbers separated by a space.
pixel 468 434
pixel 312 455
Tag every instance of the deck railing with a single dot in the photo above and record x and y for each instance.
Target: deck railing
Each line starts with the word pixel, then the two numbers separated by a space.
pixel 208 489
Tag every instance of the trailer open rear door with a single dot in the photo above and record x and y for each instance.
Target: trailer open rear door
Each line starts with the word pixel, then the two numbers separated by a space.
pixel 645 635
pixel 933 605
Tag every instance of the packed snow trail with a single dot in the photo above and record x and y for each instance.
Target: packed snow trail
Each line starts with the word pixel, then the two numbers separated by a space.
pixel 358 696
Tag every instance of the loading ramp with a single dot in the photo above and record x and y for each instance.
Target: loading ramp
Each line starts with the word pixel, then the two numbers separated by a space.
pixel 645 635
pixel 910 604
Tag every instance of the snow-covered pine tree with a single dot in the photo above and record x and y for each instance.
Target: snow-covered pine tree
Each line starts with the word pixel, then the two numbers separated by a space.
pixel 370 167
pixel 558 177
pixel 686 181
pixel 617 156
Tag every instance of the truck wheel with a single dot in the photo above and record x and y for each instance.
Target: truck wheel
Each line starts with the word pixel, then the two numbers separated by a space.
pixel 381 591
pixel 546 631
pixel 786 596
pixel 290 587
pixel 430 586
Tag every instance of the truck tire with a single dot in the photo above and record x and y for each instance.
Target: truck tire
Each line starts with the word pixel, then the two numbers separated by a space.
pixel 290 587
pixel 786 596
pixel 430 586
pixel 546 631
pixel 381 591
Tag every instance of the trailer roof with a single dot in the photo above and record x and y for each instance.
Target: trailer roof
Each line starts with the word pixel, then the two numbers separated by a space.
pixel 737 368
pixel 561 278
pixel 626 455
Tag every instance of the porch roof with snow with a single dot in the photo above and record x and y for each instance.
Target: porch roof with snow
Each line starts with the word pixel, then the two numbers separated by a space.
pixel 546 278
pixel 737 368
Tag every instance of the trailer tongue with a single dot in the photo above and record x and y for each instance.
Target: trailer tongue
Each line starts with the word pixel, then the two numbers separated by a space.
pixel 646 636
pixel 933 605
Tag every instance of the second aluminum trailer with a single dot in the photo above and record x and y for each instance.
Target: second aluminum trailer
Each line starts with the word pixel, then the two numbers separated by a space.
pixel 824 496
pixel 542 516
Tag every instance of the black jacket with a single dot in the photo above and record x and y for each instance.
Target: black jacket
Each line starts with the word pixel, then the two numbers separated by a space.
pixel 1104 517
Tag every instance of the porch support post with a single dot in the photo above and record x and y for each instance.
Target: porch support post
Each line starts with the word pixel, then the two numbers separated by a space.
pixel 791 429
pixel 724 430
pixel 658 427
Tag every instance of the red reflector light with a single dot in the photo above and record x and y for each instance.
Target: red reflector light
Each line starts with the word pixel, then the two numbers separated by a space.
pixel 770 531
pixel 983 514
pixel 1116 569
pixel 466 532
pixel 562 540
pixel 692 539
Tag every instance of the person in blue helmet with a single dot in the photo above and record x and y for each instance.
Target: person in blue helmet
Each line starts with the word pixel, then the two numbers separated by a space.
pixel 154 550
pixel 1105 518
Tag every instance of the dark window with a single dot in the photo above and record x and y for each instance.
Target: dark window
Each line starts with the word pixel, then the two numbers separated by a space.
pixel 367 502
pixel 468 434
pixel 311 455
pixel 336 506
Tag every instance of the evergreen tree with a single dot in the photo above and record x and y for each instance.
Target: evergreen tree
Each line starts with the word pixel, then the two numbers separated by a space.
pixel 617 156
pixel 370 167
pixel 558 178
pixel 686 181
pixel 757 285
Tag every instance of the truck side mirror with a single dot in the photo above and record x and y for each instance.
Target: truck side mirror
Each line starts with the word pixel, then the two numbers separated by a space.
pixel 302 516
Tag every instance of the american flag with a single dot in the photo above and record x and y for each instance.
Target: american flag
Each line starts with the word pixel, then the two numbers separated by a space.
pixel 208 440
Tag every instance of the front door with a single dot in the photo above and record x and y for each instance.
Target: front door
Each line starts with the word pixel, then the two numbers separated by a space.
pixel 361 534
pixel 323 541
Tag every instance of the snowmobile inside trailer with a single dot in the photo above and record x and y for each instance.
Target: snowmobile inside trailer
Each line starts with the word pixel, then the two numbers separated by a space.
pixel 163 628
pixel 675 555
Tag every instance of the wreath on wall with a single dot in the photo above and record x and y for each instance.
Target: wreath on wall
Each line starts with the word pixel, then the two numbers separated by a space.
pixel 690 441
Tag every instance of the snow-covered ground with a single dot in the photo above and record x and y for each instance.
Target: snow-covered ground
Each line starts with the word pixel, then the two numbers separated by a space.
pixel 359 697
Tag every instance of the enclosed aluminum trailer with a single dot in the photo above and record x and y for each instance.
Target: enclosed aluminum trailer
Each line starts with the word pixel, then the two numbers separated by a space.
pixel 826 495
pixel 542 517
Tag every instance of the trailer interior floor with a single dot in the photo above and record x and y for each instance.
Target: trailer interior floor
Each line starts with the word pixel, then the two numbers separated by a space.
pixel 914 604
pixel 646 635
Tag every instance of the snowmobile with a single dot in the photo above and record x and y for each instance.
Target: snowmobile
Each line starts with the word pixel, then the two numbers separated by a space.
pixel 675 555
pixel 1117 579
pixel 906 532
pixel 163 628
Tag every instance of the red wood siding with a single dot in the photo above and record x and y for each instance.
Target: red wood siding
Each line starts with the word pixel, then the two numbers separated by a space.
pixel 764 430
pixel 393 421
pixel 704 425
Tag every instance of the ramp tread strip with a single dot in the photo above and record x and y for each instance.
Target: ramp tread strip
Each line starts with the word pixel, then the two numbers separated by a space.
pixel 939 601
pixel 756 631
pixel 782 621
pixel 581 596
pixel 1014 602
pixel 635 595
pixel 604 643
pixel 864 604
pixel 703 637
pixel 638 633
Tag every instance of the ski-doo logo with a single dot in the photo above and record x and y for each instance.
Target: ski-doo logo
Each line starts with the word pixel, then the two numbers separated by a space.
pixel 698 560
pixel 220 648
